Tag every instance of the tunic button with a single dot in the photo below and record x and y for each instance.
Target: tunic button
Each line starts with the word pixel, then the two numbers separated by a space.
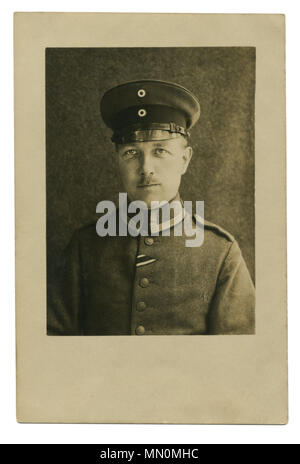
pixel 141 306
pixel 140 330
pixel 144 282
pixel 149 241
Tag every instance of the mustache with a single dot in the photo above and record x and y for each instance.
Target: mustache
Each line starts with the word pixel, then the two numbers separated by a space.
pixel 148 181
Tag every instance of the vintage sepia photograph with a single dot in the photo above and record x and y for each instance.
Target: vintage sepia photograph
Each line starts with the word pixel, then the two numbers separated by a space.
pixel 150 218
pixel 150 190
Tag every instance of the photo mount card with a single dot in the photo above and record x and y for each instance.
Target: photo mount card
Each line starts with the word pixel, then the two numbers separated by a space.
pixel 129 312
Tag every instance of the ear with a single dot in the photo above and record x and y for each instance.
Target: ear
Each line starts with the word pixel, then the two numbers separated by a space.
pixel 187 156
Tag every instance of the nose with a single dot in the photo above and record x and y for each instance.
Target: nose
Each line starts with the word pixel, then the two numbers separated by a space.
pixel 146 167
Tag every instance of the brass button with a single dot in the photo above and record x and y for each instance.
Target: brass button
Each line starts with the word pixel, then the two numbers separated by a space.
pixel 140 330
pixel 141 306
pixel 144 282
pixel 149 241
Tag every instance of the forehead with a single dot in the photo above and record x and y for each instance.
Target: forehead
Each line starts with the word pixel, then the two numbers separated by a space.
pixel 168 144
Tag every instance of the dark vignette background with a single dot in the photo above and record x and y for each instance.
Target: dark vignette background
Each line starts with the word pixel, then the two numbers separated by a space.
pixel 81 167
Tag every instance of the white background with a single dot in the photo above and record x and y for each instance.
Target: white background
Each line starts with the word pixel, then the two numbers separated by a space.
pixel 10 430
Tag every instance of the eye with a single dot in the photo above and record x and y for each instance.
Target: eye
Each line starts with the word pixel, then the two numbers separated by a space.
pixel 129 154
pixel 161 152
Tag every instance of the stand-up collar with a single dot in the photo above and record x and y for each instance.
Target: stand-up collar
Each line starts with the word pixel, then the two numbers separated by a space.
pixel 156 222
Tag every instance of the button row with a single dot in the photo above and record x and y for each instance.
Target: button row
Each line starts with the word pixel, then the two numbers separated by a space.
pixel 144 282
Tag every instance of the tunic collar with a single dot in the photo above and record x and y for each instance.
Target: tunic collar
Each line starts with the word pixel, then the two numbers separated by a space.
pixel 155 218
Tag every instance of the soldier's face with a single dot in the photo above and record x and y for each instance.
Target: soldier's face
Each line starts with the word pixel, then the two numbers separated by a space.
pixel 151 171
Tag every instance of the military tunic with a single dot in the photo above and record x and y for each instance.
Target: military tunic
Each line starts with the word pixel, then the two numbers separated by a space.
pixel 152 286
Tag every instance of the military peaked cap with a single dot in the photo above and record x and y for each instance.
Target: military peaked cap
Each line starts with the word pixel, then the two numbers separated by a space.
pixel 149 110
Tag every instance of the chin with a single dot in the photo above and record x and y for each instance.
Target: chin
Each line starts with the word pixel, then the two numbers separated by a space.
pixel 157 194
pixel 147 200
pixel 147 197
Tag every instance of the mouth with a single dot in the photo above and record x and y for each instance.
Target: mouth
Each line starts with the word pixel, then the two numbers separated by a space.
pixel 145 186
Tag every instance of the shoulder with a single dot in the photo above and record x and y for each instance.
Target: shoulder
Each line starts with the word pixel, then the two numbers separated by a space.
pixel 85 234
pixel 218 244
pixel 87 229
pixel 213 229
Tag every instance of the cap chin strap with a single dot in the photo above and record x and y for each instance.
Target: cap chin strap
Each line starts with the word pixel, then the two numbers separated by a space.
pixel 153 131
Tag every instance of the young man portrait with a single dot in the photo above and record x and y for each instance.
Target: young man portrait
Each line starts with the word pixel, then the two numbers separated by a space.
pixel 152 283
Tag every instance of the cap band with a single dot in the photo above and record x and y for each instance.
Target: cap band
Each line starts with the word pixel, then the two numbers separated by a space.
pixel 153 131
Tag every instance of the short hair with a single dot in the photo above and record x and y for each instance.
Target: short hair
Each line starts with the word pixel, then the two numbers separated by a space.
pixel 187 139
